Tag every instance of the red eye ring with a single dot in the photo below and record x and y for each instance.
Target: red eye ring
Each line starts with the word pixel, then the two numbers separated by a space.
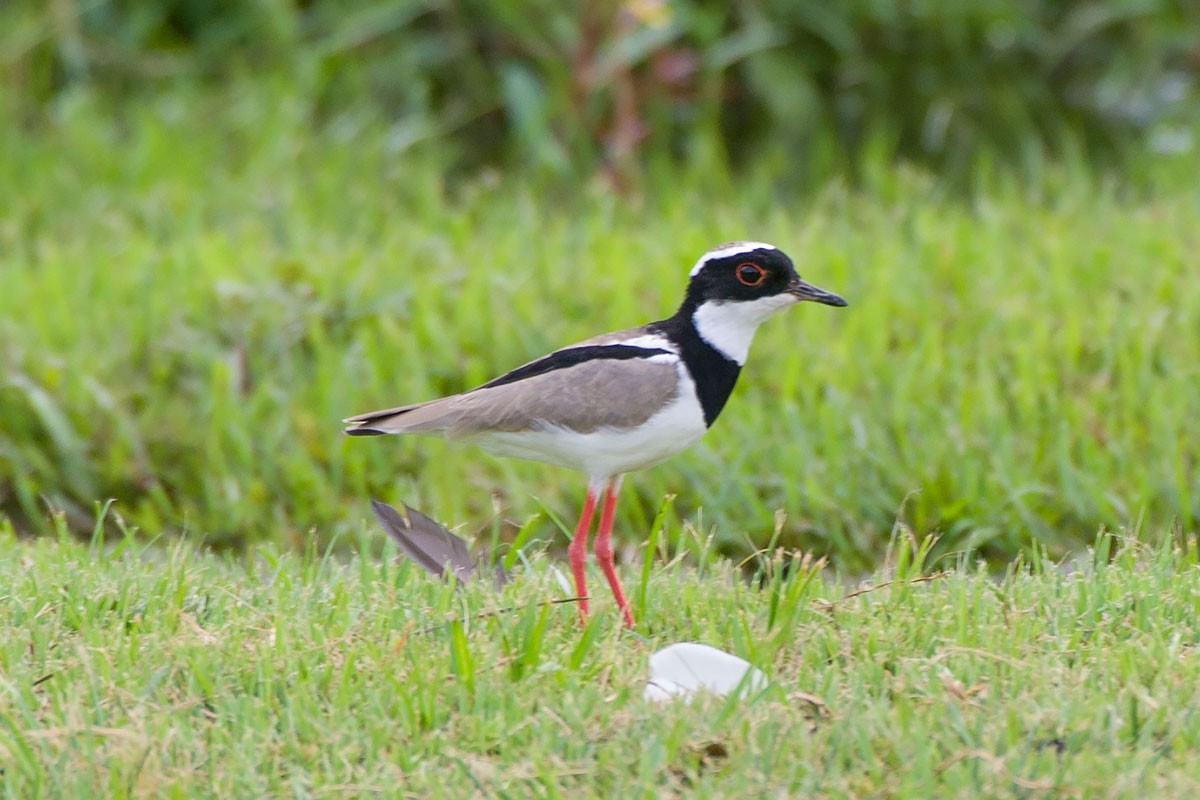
pixel 750 274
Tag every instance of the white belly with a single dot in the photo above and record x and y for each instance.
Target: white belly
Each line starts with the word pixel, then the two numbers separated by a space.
pixel 608 451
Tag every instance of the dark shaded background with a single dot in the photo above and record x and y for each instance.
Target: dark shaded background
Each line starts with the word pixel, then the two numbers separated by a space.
pixel 564 88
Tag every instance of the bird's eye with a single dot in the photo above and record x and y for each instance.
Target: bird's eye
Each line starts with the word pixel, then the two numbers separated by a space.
pixel 750 274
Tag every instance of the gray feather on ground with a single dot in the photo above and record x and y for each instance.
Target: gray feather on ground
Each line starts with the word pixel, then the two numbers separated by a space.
pixel 429 544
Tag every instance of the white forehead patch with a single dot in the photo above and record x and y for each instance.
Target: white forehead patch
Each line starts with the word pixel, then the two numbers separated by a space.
pixel 731 249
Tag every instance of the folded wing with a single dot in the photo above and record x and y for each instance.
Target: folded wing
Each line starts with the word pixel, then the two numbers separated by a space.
pixel 621 391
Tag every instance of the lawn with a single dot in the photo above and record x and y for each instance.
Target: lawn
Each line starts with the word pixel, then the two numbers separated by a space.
pixel 195 290
pixel 135 670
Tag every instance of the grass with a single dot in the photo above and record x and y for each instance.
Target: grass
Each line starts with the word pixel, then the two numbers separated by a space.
pixel 196 288
pixel 133 670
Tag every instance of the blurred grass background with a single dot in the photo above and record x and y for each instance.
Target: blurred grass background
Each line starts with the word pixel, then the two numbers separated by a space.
pixel 562 89
pixel 226 226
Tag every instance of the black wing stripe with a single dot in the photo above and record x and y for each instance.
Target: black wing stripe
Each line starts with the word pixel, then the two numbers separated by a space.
pixel 561 359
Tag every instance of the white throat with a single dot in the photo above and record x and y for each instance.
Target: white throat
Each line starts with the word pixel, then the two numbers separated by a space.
pixel 729 325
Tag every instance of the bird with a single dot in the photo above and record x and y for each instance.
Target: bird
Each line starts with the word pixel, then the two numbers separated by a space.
pixel 621 401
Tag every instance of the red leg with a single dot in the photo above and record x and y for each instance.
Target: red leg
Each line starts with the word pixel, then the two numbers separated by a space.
pixel 603 547
pixel 577 552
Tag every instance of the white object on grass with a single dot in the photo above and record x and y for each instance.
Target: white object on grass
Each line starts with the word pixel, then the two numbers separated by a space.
pixel 563 583
pixel 683 669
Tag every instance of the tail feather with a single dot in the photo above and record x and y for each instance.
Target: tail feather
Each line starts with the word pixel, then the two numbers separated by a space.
pixel 402 419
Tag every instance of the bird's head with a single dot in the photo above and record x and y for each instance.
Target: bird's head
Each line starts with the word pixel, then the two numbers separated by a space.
pixel 752 272
pixel 735 287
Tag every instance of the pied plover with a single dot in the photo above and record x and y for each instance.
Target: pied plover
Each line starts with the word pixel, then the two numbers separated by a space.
pixel 622 401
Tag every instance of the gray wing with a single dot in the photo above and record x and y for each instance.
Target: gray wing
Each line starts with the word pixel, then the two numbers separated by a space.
pixel 604 393
pixel 585 397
